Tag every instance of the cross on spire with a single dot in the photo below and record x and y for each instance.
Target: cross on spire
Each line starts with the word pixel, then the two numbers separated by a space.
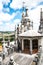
pixel 23 6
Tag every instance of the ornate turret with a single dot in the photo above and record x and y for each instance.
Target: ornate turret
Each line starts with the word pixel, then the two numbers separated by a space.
pixel 25 21
pixel 41 22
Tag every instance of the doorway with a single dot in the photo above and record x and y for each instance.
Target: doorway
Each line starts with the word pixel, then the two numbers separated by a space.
pixel 26 46
pixel 35 45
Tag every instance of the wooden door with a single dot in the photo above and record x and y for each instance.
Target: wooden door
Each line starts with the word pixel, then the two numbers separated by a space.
pixel 26 46
pixel 35 45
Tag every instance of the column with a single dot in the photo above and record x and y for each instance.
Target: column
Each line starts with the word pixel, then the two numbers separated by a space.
pixel 8 40
pixel 3 42
pixel 3 38
pixel 22 45
pixel 30 46
pixel 39 43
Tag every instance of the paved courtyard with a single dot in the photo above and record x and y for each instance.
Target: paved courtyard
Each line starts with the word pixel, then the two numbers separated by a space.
pixel 20 59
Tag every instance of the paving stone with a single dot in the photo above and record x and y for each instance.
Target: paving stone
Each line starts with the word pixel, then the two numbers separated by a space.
pixel 19 59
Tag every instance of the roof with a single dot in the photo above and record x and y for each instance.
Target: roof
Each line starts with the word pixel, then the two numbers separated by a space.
pixel 30 33
pixel 5 34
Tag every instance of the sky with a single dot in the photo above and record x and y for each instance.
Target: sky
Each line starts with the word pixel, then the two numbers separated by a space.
pixel 11 13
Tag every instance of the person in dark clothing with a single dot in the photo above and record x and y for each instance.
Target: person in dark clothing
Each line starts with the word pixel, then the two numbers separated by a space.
pixel 19 47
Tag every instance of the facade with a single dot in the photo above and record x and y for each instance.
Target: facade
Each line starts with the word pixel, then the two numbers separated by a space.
pixel 30 41
pixel 27 39
pixel 26 24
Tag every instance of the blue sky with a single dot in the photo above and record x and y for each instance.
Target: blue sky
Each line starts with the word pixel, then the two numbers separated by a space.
pixel 11 12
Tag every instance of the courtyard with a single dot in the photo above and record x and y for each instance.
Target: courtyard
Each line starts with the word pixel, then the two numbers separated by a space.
pixel 19 59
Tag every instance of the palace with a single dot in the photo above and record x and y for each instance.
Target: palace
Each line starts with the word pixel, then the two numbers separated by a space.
pixel 27 40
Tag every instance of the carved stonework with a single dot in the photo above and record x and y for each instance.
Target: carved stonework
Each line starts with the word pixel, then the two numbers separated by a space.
pixel 41 22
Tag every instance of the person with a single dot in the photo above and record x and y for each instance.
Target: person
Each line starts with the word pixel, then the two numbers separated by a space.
pixel 36 60
pixel 11 62
pixel 3 55
pixel 19 47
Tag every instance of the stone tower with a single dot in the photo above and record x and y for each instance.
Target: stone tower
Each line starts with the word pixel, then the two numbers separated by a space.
pixel 41 22
pixel 25 21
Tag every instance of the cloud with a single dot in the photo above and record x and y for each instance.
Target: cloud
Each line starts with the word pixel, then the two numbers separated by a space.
pixel 1 5
pixel 30 3
pixel 6 17
pixel 6 10
pixel 16 4
pixel 12 18
pixel 1 23
pixel 34 16
pixel 9 26
pixel 17 21
pixel 5 2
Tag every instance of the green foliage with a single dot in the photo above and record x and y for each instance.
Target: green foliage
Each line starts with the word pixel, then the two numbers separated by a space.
pixel 12 39
pixel 6 39
pixel 0 44
pixel 1 39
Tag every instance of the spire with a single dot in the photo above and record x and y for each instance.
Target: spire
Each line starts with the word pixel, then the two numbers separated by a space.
pixel 23 7
pixel 41 14
pixel 41 22
pixel 26 12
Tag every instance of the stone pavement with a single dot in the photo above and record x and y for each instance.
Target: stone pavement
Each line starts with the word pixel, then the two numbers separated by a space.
pixel 20 59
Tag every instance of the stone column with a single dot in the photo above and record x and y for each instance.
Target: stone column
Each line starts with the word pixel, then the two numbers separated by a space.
pixel 30 46
pixel 39 43
pixel 22 45
pixel 42 43
pixel 3 38
pixel 8 40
